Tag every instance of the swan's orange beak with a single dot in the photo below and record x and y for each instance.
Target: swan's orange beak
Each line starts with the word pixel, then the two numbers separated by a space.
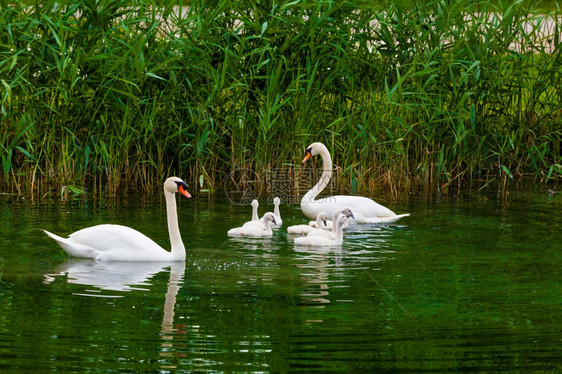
pixel 306 156
pixel 183 191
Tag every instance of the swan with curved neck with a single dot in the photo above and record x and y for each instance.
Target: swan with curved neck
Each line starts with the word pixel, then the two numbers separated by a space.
pixel 322 241
pixel 268 220
pixel 121 243
pixel 364 209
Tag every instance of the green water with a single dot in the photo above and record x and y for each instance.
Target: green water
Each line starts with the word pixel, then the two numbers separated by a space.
pixel 467 284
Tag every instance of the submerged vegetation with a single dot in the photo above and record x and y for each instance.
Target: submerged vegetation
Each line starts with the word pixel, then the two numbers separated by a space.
pixel 112 94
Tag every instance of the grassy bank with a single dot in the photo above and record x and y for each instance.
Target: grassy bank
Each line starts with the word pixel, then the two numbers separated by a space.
pixel 112 95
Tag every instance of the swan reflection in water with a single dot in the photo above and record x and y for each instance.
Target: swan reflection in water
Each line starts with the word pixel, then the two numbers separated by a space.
pixel 113 276
pixel 126 276
pixel 315 267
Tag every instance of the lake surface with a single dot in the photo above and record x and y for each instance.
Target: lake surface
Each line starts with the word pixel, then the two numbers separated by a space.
pixel 466 283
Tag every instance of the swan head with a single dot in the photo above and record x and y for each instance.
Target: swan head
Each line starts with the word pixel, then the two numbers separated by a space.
pixel 276 201
pixel 175 184
pixel 347 213
pixel 323 217
pixel 342 218
pixel 269 217
pixel 313 150
pixel 255 204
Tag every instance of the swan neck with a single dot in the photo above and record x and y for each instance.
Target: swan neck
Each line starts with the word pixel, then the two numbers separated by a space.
pixel 339 232
pixel 255 216
pixel 178 249
pixel 267 225
pixel 324 179
pixel 335 219
pixel 176 275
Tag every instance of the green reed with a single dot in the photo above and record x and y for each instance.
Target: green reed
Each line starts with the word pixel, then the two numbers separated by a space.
pixel 117 94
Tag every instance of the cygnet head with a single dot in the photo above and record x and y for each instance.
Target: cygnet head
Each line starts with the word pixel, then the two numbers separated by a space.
pixel 347 212
pixel 322 217
pixel 276 201
pixel 269 217
pixel 313 150
pixel 255 203
pixel 175 184
pixel 341 219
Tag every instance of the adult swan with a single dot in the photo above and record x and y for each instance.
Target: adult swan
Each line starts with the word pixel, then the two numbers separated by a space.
pixel 364 209
pixel 122 243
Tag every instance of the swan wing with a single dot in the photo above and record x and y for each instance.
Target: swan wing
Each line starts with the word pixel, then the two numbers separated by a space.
pixel 73 248
pixel 315 241
pixel 257 232
pixel 323 233
pixel 360 205
pixel 237 231
pixel 108 237
pixel 250 230
pixel 386 219
pixel 258 224
pixel 299 229
pixel 242 231
pixel 112 242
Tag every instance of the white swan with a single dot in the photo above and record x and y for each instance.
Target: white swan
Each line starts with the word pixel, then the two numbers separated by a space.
pixel 305 229
pixel 255 218
pixel 255 230
pixel 364 209
pixel 330 230
pixel 277 213
pixel 321 241
pixel 121 243
pixel 259 222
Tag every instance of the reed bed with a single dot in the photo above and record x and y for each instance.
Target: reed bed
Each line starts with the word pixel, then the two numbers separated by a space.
pixel 113 95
